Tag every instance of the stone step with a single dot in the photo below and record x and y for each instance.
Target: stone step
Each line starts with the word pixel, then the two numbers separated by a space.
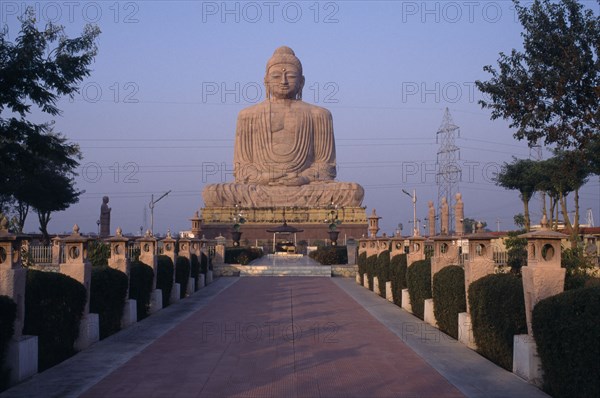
pixel 279 270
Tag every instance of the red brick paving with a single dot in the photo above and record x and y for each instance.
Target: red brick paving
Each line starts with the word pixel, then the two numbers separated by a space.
pixel 277 337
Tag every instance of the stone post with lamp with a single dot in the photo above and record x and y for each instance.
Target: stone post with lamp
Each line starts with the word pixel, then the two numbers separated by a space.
pixel 168 245
pixel 118 260
pixel 148 250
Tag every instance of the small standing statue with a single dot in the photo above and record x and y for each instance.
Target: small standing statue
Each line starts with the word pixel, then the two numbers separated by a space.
pixel 459 214
pixel 444 216
pixel 431 217
pixel 104 218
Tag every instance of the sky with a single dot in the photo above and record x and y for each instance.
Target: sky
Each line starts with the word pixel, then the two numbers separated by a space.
pixel 158 111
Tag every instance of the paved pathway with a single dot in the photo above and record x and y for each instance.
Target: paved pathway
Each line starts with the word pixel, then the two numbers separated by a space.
pixel 278 337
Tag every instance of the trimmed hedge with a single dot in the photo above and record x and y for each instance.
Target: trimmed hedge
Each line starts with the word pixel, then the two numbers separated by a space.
pixel 330 255
pixel 182 274
pixel 203 263
pixel 54 305
pixel 449 298
pixel 497 310
pixel 362 266
pixel 397 275
pixel 418 281
pixel 195 270
pixel 371 266
pixel 567 331
pixel 164 278
pixel 108 292
pixel 8 314
pixel 141 277
pixel 98 253
pixel 382 270
pixel 242 255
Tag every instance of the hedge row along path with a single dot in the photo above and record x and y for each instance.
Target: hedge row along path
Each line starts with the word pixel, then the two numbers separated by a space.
pixel 278 337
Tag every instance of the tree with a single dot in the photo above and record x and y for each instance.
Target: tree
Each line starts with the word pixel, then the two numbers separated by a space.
pixel 521 175
pixel 519 220
pixel 470 225
pixel 36 70
pixel 551 89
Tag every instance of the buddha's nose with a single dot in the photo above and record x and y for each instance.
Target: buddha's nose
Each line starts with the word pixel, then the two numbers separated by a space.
pixel 284 79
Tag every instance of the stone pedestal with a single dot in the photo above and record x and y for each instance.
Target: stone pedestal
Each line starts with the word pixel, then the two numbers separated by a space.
pixel 89 332
pixel 12 284
pixel 175 293
pixel 156 303
pixel 481 259
pixel 22 358
pixel 526 361
pixel 429 314
pixel 219 251
pixel 366 280
pixel 201 281
pixel 129 313
pixel 406 301
pixel 209 277
pixel 358 279
pixel 351 248
pixel 389 294
pixel 376 286
pixel 465 330
pixel 191 287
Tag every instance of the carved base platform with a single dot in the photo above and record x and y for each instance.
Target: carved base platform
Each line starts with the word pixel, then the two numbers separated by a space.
pixel 219 221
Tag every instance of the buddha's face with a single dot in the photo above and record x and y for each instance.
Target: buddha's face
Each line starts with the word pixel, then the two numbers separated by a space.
pixel 284 81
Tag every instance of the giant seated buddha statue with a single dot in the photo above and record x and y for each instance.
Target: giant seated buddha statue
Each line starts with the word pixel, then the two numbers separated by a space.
pixel 284 149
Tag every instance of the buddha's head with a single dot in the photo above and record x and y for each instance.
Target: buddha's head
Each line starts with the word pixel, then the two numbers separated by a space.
pixel 283 78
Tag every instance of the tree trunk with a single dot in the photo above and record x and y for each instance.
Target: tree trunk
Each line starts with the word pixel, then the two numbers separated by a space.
pixel 567 220
pixel 44 219
pixel 526 211
pixel 22 211
pixel 575 234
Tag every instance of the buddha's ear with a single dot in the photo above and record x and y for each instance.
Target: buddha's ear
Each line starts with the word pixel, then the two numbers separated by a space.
pixel 267 88
pixel 302 80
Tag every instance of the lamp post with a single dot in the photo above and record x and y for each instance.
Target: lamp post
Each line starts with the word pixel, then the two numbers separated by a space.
pixel 414 201
pixel 151 205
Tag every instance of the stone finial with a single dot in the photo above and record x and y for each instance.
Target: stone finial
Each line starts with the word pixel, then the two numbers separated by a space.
pixel 169 233
pixel 196 214
pixel 4 224
pixel 148 233
pixel 374 213
pixel 544 222
pixel 479 227
pixel 119 231
pixel 75 229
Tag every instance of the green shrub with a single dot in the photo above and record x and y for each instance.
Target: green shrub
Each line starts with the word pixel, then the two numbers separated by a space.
pixel 164 278
pixel 141 277
pixel 195 270
pixel 203 263
pixel 397 275
pixel 98 253
pixel 516 250
pixel 242 255
pixel 362 266
pixel 497 310
pixel 330 255
pixel 371 266
pixel 54 305
pixel 567 331
pixel 108 292
pixel 382 270
pixel 182 274
pixel 577 265
pixel 449 298
pixel 8 314
pixel 418 280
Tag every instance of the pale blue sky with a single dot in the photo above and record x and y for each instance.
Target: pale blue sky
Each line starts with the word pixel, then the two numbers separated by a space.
pixel 155 110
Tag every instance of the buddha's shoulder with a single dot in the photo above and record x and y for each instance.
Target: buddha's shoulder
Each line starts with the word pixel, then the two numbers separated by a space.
pixel 253 110
pixel 314 109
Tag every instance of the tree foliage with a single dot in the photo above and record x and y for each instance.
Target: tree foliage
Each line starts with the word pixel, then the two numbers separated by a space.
pixel 550 90
pixel 521 175
pixel 37 165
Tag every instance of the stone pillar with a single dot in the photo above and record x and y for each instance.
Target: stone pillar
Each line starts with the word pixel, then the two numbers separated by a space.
pixel 416 249
pixel 431 218
pixel 362 246
pixel 185 250
pixel 79 268
pixel 542 277
pixel 351 249
pixel 203 250
pixel 168 245
pixel 118 260
pixel 56 250
pixel 219 250
pixel 459 215
pixel 148 251
pixel 396 246
pixel 22 358
pixel 479 264
pixel 373 224
pixel 445 253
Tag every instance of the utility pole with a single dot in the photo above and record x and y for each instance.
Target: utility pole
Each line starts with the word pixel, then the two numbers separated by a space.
pixel 449 172
pixel 498 224
pixel 414 201
pixel 151 205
